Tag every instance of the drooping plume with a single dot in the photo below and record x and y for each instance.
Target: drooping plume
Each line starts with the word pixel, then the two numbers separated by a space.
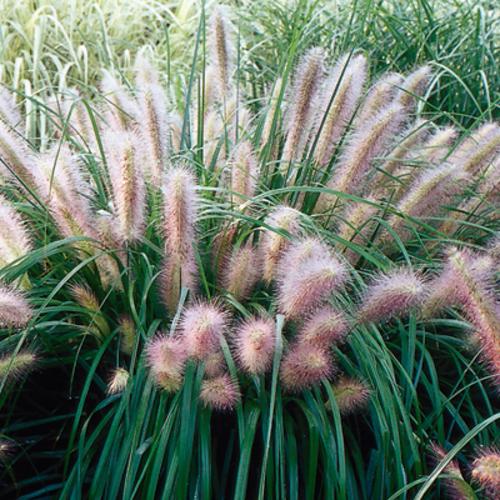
pixel 350 394
pixel 346 81
pixel 304 366
pixel 222 51
pixel 242 271
pixel 300 113
pixel 324 327
pixel 15 365
pixel 391 295
pixel 254 343
pixel 284 221
pixel 118 381
pixel 127 184
pixel 366 144
pixel 86 298
pixel 153 118
pixel 308 274
pixel 220 393
pixel 180 206
pixel 244 172
pixel 201 329
pixel 166 357
pixel 15 312
pixel 14 238
pixel 128 334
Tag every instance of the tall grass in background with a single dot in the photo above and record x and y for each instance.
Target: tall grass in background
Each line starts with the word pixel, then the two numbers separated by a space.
pixel 340 237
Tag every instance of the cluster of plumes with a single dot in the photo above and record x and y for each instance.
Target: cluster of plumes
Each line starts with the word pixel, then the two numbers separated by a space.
pixel 467 281
pixel 306 275
pixel 484 471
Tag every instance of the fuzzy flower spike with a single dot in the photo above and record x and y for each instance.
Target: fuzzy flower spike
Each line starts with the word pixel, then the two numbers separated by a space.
pixel 180 207
pixel 308 274
pixel 202 327
pixel 391 295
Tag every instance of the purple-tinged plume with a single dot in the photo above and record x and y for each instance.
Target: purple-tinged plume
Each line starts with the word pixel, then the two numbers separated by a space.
pixel 324 327
pixel 202 327
pixel 304 366
pixel 308 274
pixel 346 80
pixel 127 184
pixel 391 295
pixel 300 113
pixel 180 206
pixel 351 394
pixel 254 344
pixel 220 393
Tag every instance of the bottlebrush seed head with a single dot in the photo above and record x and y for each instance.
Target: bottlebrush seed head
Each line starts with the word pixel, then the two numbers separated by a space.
pixel 323 328
pixel 123 108
pixel 166 357
pixel 221 47
pixel 180 206
pixel 244 172
pixel 254 342
pixel 486 471
pixel 220 393
pixel 414 86
pixel 346 79
pixel 66 191
pixel 127 184
pixel 118 381
pixel 17 365
pixel 15 241
pixel 273 243
pixel 15 312
pixel 242 272
pixel 436 148
pixel 366 143
pixel 431 190
pixel 7 448
pixel 379 96
pixel 350 394
pixel 300 113
pixel 128 334
pixel 272 114
pixel 304 366
pixel 202 327
pixel 305 281
pixel 391 295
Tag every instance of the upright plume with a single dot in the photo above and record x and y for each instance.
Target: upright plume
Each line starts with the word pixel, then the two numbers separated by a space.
pixel 300 113
pixel 180 207
pixel 127 184
pixel 365 144
pixel 222 50
pixel 345 85
pixel 153 116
